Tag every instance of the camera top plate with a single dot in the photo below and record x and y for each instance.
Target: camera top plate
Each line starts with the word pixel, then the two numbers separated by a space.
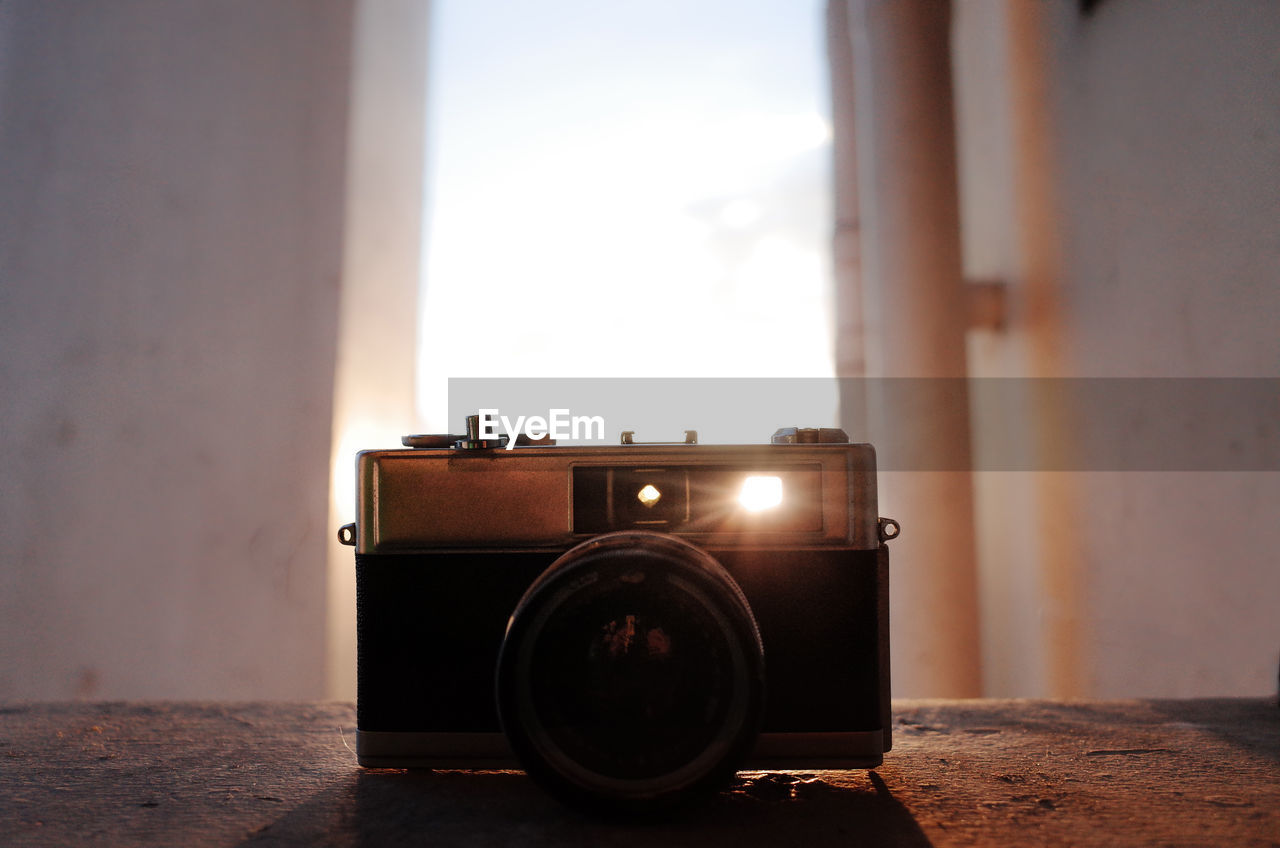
pixel 533 496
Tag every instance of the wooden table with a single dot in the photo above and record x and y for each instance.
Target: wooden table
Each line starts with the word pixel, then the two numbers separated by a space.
pixel 961 773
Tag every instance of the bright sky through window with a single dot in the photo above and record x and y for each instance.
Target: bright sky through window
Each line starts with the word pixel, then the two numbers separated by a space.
pixel 626 189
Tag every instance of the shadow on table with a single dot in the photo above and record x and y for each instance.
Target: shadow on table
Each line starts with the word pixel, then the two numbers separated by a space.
pixel 506 808
pixel 1250 723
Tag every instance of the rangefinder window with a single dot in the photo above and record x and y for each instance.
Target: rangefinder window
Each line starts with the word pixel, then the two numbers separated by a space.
pixel 698 498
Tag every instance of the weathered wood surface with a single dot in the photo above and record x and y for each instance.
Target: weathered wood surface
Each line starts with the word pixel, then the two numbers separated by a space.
pixel 961 773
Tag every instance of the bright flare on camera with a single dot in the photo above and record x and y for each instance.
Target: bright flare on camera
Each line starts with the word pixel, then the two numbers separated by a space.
pixel 649 495
pixel 760 493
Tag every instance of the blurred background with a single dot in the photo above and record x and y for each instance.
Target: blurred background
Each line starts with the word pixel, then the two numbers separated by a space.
pixel 241 240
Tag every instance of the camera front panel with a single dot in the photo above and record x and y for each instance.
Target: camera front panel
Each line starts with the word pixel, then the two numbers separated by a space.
pixel 820 618
pixel 430 627
pixel 428 631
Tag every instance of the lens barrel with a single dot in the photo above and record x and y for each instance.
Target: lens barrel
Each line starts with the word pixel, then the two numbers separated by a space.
pixel 631 677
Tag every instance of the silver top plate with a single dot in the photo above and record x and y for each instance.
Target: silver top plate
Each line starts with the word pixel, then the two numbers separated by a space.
pixel 430 500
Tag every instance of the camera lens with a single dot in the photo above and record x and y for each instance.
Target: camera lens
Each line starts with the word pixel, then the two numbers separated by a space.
pixel 632 674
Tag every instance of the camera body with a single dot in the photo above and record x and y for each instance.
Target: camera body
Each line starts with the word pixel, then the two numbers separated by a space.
pixel 456 538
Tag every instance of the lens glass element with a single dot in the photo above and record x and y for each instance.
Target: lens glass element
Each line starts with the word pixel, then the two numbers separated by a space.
pixel 633 678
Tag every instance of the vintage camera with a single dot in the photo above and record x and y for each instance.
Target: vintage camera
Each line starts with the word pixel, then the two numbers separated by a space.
pixel 630 624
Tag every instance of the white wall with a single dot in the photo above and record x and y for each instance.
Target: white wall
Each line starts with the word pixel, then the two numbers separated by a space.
pixel 171 182
pixel 1170 165
pixel 1122 171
